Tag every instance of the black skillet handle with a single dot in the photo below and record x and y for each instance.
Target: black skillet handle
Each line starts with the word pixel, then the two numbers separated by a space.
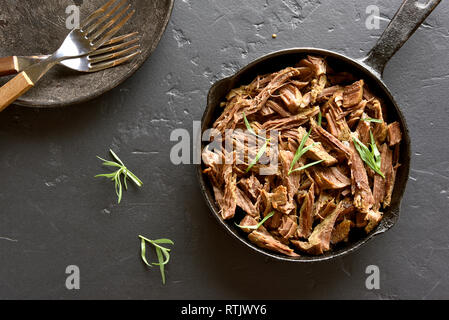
pixel 409 17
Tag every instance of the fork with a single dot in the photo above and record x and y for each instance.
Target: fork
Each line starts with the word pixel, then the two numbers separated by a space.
pixel 112 53
pixel 97 29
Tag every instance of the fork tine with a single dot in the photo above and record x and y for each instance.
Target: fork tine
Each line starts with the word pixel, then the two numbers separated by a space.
pixel 120 38
pixel 111 56
pixel 113 31
pixel 117 47
pixel 96 13
pixel 105 17
pixel 113 63
pixel 110 23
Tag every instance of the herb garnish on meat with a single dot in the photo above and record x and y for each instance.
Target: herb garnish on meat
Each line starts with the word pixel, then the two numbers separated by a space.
pixel 337 159
pixel 372 120
pixel 370 157
pixel 262 150
pixel 259 224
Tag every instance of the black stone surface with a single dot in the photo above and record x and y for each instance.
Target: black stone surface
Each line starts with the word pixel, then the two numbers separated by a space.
pixel 53 213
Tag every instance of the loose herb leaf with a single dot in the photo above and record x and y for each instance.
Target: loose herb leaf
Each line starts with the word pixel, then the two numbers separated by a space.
pixel 369 156
pixel 160 264
pixel 264 147
pixel 250 129
pixel 259 224
pixel 372 120
pixel 375 151
pixel 320 119
pixel 307 166
pixel 247 124
pixel 143 252
pixel 163 254
pixel 117 175
pixel 301 151
pixel 259 155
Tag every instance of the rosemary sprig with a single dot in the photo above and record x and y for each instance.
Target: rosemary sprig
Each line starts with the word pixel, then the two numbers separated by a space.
pixel 163 254
pixel 371 157
pixel 259 224
pixel 262 150
pixel 372 120
pixel 301 151
pixel 117 175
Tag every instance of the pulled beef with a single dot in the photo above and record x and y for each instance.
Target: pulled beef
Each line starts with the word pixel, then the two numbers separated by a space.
pixel 328 92
pixel 390 178
pixel 319 240
pixel 250 221
pixel 353 94
pixel 291 181
pixel 265 240
pixel 380 129
pixel 341 231
pixel 251 186
pixel 292 97
pixel 363 129
pixel 318 205
pixel 373 218
pixel 394 134
pixel 279 198
pixel 306 214
pixel 287 228
pixel 244 202
pixel 317 152
pixel 276 107
pixel 228 200
pixel 379 187
pixel 363 196
pixel 331 141
pixel 336 121
pixel 330 178
pixel 291 122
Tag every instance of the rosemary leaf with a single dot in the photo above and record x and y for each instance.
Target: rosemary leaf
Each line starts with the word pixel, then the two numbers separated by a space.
pixel 258 156
pixel 320 119
pixel 259 224
pixel 164 241
pixel 160 264
pixel 248 126
pixel 143 252
pixel 116 157
pixel 250 129
pixel 163 254
pixel 375 151
pixel 307 166
pixel 372 120
pixel 369 156
pixel 301 151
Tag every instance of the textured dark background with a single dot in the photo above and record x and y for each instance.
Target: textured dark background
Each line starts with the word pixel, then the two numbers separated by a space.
pixel 54 214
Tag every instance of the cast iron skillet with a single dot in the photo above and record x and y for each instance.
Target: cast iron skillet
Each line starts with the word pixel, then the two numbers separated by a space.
pixel 408 18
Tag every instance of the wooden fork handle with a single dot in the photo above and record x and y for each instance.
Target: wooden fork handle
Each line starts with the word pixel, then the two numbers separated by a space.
pixel 14 89
pixel 8 66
